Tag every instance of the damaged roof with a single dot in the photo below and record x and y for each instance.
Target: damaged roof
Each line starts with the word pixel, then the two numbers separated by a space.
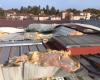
pixel 17 48
pixel 78 41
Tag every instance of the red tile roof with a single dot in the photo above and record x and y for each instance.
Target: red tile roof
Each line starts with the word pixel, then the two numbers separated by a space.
pixel 14 23
pixel 24 23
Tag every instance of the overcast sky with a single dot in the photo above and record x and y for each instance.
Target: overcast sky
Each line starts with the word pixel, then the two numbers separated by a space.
pixel 60 4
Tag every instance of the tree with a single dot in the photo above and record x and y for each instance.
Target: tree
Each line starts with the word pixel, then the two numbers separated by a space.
pixel 36 10
pixel 15 9
pixel 44 9
pixel 53 10
pixel 29 8
pixel 92 10
pixel 58 12
pixel 2 14
pixel 22 9
pixel 75 11
pixel 47 10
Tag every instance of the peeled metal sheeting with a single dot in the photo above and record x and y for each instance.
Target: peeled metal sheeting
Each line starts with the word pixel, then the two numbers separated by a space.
pixel 1 75
pixel 12 73
pixel 4 54
pixel 33 71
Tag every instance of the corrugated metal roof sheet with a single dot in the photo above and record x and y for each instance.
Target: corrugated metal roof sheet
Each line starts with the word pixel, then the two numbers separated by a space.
pixel 9 49
pixel 63 31
pixel 78 41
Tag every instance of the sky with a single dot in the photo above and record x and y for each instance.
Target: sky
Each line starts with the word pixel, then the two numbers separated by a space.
pixel 59 4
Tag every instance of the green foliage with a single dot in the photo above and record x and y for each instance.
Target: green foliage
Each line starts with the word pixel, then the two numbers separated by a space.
pixel 92 10
pixel 75 11
pixel 36 10
pixel 53 10
pixel 2 13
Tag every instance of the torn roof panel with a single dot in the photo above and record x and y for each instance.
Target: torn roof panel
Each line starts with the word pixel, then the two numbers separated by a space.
pixel 9 50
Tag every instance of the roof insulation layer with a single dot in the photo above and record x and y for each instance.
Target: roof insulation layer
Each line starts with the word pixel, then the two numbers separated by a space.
pixel 12 36
pixel 41 27
pixel 11 30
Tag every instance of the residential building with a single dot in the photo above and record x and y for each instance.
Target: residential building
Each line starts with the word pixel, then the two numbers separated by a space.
pixel 40 17
pixel 66 15
pixel 81 16
pixel 78 16
pixel 18 16
pixel 57 18
pixel 10 14
pixel 35 17
pixel 21 16
pixel 43 17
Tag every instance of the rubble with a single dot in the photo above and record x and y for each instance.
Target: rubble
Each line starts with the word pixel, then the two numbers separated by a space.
pixel 37 36
pixel 37 65
pixel 49 64
pixel 3 34
pixel 60 59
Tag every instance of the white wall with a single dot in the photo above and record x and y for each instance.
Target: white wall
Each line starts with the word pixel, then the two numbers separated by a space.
pixel 43 18
pixel 77 17
pixel 63 15
pixel 55 18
